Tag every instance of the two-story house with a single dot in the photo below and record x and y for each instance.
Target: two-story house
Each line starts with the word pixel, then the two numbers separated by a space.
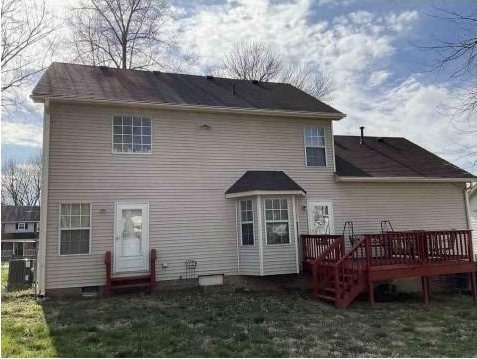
pixel 20 231
pixel 226 173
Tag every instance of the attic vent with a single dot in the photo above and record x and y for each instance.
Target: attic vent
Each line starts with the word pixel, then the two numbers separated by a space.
pixel 209 77
pixel 255 82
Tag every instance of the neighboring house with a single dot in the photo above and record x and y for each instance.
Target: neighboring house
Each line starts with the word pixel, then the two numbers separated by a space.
pixel 226 173
pixel 20 229
pixel 472 193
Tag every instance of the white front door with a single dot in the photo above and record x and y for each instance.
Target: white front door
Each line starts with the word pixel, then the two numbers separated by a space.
pixel 131 240
pixel 320 217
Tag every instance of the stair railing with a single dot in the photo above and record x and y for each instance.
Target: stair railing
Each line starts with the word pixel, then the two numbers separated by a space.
pixel 321 270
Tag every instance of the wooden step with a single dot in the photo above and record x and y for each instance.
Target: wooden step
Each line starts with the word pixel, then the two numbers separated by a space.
pixel 131 285
pixel 131 279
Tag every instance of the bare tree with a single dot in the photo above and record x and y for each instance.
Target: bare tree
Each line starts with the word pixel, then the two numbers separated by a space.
pixel 127 34
pixel 255 61
pixel 26 25
pixel 311 80
pixel 459 51
pixel 21 182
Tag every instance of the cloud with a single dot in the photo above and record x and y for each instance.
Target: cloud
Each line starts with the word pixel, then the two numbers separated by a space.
pixel 378 77
pixel 21 133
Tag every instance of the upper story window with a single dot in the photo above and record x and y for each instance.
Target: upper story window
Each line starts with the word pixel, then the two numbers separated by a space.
pixel 315 147
pixel 75 228
pixel 246 222
pixel 276 221
pixel 131 134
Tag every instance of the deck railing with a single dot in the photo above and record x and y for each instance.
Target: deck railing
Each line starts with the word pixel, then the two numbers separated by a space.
pixel 313 245
pixel 417 247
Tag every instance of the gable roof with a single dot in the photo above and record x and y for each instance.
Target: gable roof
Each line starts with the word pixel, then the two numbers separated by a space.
pixel 391 157
pixel 20 214
pixel 264 181
pixel 82 82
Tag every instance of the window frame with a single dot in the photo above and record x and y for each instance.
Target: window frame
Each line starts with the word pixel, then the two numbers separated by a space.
pixel 79 228
pixel 246 222
pixel 21 224
pixel 265 222
pixel 112 135
pixel 324 147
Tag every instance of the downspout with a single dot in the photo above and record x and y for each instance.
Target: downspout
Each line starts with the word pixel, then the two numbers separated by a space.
pixel 237 206
pixel 467 204
pixel 297 237
pixel 41 262
pixel 260 233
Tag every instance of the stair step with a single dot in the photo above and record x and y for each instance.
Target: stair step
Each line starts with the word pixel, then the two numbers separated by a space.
pixel 131 285
pixel 128 279
pixel 326 297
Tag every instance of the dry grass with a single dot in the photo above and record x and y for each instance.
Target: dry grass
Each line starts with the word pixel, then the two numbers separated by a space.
pixel 224 323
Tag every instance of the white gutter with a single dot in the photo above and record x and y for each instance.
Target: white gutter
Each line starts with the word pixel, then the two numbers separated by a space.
pixel 41 262
pixel 402 179
pixel 196 108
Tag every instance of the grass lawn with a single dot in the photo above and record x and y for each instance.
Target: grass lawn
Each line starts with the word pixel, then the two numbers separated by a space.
pixel 227 323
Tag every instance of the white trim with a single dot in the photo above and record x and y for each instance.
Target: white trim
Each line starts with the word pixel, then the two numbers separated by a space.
pixel 264 193
pixel 41 270
pixel 333 158
pixel 331 216
pixel 295 221
pixel 18 226
pixel 290 243
pixel 324 147
pixel 260 233
pixel 400 179
pixel 246 222
pixel 197 108
pixel 238 234
pixel 112 135
pixel 467 209
pixel 144 206
pixel 90 228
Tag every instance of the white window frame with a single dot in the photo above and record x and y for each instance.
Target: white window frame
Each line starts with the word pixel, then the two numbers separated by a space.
pixel 78 228
pixel 21 226
pixel 324 146
pixel 252 222
pixel 112 135
pixel 290 239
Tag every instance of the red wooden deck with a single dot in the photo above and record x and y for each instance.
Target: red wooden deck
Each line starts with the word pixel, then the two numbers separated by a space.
pixel 339 276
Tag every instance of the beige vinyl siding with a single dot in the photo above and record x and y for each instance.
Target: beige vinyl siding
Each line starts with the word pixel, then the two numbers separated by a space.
pixel 409 206
pixel 184 180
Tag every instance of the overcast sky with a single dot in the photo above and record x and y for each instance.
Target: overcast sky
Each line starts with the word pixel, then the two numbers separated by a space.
pixel 370 48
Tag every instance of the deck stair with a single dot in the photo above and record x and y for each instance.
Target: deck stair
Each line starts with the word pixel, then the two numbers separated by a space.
pixel 339 276
pixel 146 280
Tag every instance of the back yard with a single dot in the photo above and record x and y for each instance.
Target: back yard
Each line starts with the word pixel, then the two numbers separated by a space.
pixel 234 323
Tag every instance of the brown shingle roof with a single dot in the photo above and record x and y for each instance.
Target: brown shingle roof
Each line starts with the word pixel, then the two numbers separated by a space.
pixel 264 181
pixel 104 83
pixel 20 214
pixel 390 157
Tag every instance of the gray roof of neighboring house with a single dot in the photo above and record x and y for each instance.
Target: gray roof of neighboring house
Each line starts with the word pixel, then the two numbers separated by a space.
pixel 20 214
pixel 264 181
pixel 111 84
pixel 390 157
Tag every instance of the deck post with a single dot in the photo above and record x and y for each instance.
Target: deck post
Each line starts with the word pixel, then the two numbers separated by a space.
pixel 425 289
pixel 368 251
pixel 314 272
pixel 473 285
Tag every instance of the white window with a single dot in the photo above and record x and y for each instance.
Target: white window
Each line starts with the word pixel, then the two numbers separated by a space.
pixel 315 147
pixel 276 221
pixel 131 134
pixel 75 228
pixel 21 226
pixel 246 222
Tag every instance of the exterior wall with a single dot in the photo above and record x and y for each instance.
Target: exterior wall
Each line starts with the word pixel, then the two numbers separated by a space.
pixel 184 181
pixel 409 206
pixel 473 219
